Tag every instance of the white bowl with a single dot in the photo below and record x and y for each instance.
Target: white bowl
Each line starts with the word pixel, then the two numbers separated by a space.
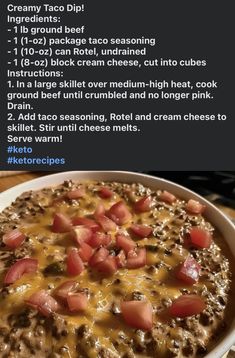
pixel 212 213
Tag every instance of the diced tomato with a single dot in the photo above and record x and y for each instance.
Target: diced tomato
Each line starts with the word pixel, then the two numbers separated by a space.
pixel 81 234
pixel 49 307
pixel 76 193
pixel 100 210
pixel 119 213
pixel 105 193
pixel 138 314
pixel 143 205
pixel 194 207
pixel 43 302
pixel 61 223
pixel 19 268
pixel 188 271
pixel 125 242
pixel 187 305
pixel 13 239
pixel 98 239
pixel 99 256
pixel 85 252
pixel 65 288
pixel 136 259
pixel 167 197
pixel 37 298
pixel 74 263
pixel 108 266
pixel 121 259
pixel 141 230
pixel 200 238
pixel 77 302
pixel 106 223
pixel 86 222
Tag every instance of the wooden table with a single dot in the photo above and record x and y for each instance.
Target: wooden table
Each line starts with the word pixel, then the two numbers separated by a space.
pixel 10 181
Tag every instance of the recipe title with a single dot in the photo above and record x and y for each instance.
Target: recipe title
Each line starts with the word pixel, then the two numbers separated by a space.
pixel 45 7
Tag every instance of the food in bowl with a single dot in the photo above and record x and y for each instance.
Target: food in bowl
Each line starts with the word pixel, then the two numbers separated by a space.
pixel 106 269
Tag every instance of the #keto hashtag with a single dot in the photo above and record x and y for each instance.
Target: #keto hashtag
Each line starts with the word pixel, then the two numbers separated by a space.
pixel 9 160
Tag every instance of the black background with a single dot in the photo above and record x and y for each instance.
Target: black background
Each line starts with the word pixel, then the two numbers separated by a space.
pixel 183 29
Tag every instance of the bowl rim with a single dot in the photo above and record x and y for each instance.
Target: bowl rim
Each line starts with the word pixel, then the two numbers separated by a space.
pixel 54 179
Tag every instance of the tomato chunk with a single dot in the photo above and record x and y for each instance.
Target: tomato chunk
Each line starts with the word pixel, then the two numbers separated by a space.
pixel 138 314
pixel 167 197
pixel 61 223
pixel 143 205
pixel 99 256
pixel 187 305
pixel 119 213
pixel 85 252
pixel 136 259
pixel 105 193
pixel 43 302
pixel 106 223
pixel 125 242
pixel 65 288
pixel 194 207
pixel 13 239
pixel 200 238
pixel 86 222
pixel 74 263
pixel 76 193
pixel 77 302
pixel 81 234
pixel 100 210
pixel 141 230
pixel 37 298
pixel 188 271
pixel 19 268
pixel 98 239
pixel 107 266
pixel 121 259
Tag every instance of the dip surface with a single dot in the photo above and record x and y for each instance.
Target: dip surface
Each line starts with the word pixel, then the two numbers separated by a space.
pixel 158 259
